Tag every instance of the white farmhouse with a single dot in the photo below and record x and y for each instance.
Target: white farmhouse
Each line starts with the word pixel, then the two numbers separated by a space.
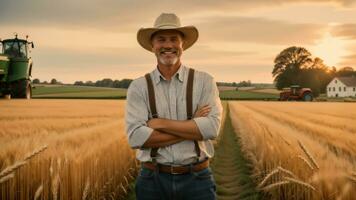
pixel 342 87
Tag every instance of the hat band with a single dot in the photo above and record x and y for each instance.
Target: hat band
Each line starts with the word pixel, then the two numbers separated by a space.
pixel 167 26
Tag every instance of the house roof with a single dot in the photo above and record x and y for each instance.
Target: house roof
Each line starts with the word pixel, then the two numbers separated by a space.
pixel 348 81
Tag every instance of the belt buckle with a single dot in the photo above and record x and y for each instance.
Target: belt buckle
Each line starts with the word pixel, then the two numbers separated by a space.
pixel 172 171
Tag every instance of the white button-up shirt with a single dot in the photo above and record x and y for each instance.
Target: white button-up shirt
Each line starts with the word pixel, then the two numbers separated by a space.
pixel 171 104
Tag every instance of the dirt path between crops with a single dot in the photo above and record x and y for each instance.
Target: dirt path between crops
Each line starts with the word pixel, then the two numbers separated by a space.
pixel 230 168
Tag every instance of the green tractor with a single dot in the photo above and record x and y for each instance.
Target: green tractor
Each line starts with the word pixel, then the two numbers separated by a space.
pixel 15 68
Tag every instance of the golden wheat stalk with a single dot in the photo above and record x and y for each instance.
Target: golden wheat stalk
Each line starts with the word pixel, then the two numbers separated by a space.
pixel 351 178
pixel 353 174
pixel 12 168
pixel 344 192
pixel 126 181
pixel 36 152
pixel 130 176
pixel 7 177
pixel 288 143
pixel 268 176
pixel 123 188
pixel 86 189
pixel 306 162
pixel 275 171
pixel 299 182
pixel 274 185
pixel 38 192
pixel 55 186
pixel 281 169
pixel 309 156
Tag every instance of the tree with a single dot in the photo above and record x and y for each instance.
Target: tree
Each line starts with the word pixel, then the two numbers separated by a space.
pixel 53 81
pixel 78 83
pixel 89 83
pixel 36 81
pixel 346 71
pixel 288 66
pixel 244 84
pixel 125 83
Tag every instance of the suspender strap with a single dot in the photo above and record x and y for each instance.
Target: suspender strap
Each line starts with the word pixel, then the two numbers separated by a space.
pixel 189 98
pixel 152 101
pixel 151 95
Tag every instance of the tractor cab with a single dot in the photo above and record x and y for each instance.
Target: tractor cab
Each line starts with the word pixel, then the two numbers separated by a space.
pixel 296 93
pixel 15 68
pixel 16 48
pixel 295 89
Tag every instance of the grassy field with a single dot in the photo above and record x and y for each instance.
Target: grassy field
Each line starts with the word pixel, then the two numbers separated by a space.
pixel 247 95
pixel 77 92
pixel 64 149
pixel 85 92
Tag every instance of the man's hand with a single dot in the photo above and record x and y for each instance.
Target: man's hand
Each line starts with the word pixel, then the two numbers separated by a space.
pixel 202 111
pixel 155 123
pixel 185 129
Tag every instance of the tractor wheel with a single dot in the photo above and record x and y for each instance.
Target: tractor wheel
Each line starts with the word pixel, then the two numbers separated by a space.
pixel 22 89
pixel 7 96
pixel 308 97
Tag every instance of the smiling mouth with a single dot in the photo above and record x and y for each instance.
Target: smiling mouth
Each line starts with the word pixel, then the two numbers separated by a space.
pixel 168 52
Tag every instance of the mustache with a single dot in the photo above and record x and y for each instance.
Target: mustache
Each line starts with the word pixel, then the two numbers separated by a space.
pixel 168 50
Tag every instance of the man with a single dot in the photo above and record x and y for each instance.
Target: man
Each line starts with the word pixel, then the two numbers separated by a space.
pixel 173 144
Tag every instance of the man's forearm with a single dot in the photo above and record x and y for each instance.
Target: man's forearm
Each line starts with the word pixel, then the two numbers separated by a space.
pixel 160 139
pixel 186 129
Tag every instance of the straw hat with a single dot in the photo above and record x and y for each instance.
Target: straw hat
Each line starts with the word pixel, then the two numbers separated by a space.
pixel 167 21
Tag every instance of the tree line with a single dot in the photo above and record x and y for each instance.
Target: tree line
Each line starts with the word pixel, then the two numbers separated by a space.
pixel 106 82
pixel 234 84
pixel 296 66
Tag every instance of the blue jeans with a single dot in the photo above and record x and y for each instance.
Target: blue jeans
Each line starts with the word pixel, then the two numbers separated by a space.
pixel 153 185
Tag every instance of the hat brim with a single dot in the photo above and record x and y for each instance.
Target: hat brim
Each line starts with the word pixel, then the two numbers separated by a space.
pixel 190 33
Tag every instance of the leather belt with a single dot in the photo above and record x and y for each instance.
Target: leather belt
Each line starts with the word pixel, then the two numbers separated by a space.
pixel 170 169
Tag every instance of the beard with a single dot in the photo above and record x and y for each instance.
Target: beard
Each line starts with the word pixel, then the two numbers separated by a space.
pixel 168 56
pixel 168 61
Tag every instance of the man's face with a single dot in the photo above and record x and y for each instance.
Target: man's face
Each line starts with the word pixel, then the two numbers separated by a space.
pixel 167 46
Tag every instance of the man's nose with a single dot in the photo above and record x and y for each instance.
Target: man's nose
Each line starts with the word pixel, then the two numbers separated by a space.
pixel 168 44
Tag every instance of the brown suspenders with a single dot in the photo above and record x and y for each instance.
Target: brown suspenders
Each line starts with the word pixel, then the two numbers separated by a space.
pixel 151 96
pixel 189 98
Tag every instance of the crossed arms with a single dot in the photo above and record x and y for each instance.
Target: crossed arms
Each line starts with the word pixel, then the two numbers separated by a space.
pixel 160 132
pixel 167 132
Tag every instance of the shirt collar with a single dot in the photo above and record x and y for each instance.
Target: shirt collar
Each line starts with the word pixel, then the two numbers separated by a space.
pixel 157 76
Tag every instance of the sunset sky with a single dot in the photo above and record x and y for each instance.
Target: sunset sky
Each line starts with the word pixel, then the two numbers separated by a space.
pixel 96 39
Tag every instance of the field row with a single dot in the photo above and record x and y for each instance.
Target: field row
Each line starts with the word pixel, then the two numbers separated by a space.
pixel 299 150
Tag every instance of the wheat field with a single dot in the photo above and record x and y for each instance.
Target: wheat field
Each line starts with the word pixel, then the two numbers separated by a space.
pixel 77 149
pixel 299 150
pixel 64 149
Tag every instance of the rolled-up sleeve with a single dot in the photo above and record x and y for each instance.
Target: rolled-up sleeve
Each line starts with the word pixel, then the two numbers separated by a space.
pixel 136 116
pixel 209 126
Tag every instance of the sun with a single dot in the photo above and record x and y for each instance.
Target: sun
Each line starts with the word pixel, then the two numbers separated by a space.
pixel 330 49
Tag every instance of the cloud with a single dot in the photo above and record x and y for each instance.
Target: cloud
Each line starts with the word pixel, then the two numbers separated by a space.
pixel 89 40
pixel 349 60
pixel 124 15
pixel 258 30
pixel 347 31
